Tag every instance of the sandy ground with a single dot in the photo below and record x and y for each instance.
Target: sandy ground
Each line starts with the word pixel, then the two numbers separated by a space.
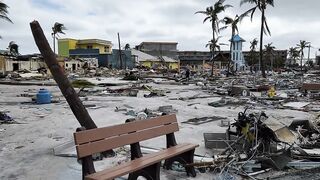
pixel 26 149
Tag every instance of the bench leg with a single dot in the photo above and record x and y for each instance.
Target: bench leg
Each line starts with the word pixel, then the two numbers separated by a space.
pixel 87 166
pixel 150 173
pixel 184 158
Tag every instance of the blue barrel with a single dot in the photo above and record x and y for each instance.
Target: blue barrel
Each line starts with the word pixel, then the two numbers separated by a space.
pixel 43 97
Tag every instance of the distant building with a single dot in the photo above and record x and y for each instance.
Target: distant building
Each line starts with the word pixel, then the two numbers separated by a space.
pixel 72 65
pixel 201 60
pixel 159 49
pixel 115 61
pixel 279 57
pixel 31 62
pixel 221 60
pixel 105 47
pixel 195 60
pixel 236 53
pixel 86 48
pixel 67 44
pixel 154 62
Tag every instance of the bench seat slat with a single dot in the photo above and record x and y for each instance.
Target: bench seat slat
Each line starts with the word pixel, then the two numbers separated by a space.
pixel 140 163
pixel 125 139
pixel 106 132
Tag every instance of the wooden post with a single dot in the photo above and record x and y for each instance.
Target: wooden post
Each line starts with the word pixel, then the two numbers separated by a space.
pixel 59 76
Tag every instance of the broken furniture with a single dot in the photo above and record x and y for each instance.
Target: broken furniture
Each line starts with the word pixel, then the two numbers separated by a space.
pixel 89 142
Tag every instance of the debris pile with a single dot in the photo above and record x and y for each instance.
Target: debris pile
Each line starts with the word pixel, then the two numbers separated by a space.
pixel 5 118
pixel 251 147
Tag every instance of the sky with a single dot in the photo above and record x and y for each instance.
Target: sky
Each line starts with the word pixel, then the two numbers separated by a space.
pixel 149 20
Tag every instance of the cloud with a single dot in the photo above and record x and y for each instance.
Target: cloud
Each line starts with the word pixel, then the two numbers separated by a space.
pixel 148 20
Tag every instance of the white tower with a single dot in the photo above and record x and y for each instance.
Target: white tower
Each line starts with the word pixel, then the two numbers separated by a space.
pixel 236 53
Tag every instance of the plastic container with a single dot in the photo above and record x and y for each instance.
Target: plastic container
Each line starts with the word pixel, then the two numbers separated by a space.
pixel 43 97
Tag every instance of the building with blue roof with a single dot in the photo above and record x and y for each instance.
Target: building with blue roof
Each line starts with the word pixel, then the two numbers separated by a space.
pixel 237 56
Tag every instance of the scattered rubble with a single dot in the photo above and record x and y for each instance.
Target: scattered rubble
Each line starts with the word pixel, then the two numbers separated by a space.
pixel 5 118
pixel 252 147
pixel 256 144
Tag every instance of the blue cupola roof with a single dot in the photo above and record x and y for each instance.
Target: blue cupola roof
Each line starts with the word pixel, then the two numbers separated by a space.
pixel 237 38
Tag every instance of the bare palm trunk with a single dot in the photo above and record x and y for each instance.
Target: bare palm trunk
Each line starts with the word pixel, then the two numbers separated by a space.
pixel 213 48
pixel 261 44
pixel 230 56
pixel 301 60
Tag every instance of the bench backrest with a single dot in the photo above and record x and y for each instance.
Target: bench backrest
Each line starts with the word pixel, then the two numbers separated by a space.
pixel 93 141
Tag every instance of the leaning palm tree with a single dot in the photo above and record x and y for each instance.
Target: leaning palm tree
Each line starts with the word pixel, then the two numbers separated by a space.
pixel 269 49
pixel 56 30
pixel 233 23
pixel 261 5
pixel 302 45
pixel 212 13
pixel 4 13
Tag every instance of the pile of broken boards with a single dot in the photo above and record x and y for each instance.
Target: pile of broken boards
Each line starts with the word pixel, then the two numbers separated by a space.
pixel 254 147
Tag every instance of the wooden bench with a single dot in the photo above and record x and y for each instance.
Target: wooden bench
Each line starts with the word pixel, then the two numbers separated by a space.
pixel 89 142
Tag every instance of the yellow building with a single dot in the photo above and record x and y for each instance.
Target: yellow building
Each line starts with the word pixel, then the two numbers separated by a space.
pixel 64 45
pixel 67 44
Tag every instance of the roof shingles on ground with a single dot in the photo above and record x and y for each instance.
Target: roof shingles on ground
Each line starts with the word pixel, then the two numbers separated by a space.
pixel 147 57
pixel 143 56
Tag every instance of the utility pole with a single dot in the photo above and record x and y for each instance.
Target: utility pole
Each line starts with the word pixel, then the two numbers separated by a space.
pixel 120 57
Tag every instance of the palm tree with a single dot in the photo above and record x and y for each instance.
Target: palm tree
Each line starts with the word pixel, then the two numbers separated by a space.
pixel 293 54
pixel 127 47
pixel 302 45
pixel 4 13
pixel 212 13
pixel 214 44
pixel 253 45
pixel 262 6
pixel 213 47
pixel 13 48
pixel 269 49
pixel 56 29
pixel 233 23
